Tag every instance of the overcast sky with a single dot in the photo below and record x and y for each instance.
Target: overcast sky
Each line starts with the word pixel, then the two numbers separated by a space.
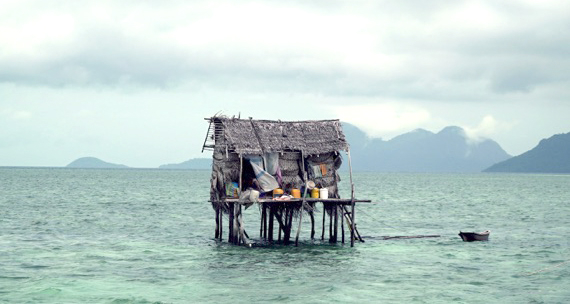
pixel 131 81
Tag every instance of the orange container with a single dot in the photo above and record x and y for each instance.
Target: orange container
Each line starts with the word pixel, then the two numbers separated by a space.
pixel 296 193
pixel 277 192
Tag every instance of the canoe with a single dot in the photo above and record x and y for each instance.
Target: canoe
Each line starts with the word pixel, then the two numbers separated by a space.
pixel 475 236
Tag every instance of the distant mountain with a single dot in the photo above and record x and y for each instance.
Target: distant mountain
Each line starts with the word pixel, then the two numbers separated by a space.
pixel 195 163
pixel 92 162
pixel 551 155
pixel 422 151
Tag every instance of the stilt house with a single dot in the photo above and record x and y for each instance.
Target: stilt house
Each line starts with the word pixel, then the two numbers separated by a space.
pixel 262 161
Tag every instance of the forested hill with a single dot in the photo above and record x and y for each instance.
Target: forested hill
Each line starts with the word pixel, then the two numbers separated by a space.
pixel 551 155
pixel 449 150
pixel 93 162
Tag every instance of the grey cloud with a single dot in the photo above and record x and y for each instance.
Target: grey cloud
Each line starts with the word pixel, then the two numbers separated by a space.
pixel 442 65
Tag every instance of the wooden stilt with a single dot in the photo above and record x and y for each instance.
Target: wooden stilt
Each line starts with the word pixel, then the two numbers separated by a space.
pixel 312 216
pixel 235 225
pixel 324 216
pixel 271 221
pixel 335 211
pixel 287 228
pixel 282 220
pixel 242 234
pixel 237 209
pixel 352 225
pixel 304 197
pixel 331 226
pixel 280 228
pixel 231 222
pixel 221 224
pixel 342 223
pixel 262 221
pixel 217 234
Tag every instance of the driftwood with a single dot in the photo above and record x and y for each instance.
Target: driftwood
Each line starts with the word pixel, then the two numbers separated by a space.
pixel 410 237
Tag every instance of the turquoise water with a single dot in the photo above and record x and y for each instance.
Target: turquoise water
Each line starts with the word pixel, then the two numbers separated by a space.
pixel 146 236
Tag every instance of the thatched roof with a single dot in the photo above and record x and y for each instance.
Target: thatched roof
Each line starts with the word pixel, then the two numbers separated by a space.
pixel 250 136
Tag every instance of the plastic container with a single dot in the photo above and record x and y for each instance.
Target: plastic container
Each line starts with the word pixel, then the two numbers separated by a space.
pixel 315 193
pixel 277 192
pixel 324 193
pixel 296 193
pixel 254 196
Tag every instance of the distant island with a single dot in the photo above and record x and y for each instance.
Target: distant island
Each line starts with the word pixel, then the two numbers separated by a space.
pixel 93 162
pixel 551 155
pixel 195 164
pixel 449 150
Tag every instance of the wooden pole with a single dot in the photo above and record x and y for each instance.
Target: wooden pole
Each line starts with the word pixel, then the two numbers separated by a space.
pixel 217 234
pixel 331 226
pixel 221 225
pixel 236 224
pixel 240 173
pixel 305 177
pixel 243 234
pixel 342 222
pixel 287 228
pixel 335 238
pixel 280 222
pixel 324 216
pixel 237 210
pixel 271 220
pixel 312 215
pixel 230 222
pixel 351 200
pixel 262 221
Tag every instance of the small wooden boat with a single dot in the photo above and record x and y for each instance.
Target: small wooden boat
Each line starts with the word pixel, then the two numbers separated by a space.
pixel 475 236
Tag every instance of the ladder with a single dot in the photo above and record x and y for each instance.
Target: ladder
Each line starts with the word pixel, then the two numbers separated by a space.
pixel 209 141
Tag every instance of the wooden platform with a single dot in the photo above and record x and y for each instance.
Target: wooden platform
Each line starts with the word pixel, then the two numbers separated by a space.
pixel 338 201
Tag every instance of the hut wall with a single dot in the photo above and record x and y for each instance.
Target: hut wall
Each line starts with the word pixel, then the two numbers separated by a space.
pixel 323 170
pixel 290 165
pixel 318 139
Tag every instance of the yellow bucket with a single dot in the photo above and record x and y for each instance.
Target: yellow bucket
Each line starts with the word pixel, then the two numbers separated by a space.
pixel 315 193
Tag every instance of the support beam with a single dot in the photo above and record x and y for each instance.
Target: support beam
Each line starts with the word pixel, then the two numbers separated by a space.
pixel 271 221
pixel 217 234
pixel 312 216
pixel 305 178
pixel 324 217
pixel 221 224
pixel 352 229
pixel 342 222
pixel 231 222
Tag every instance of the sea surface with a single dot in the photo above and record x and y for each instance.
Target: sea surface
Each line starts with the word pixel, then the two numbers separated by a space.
pixel 146 236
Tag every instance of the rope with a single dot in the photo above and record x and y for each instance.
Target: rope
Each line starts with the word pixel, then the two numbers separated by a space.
pixel 545 269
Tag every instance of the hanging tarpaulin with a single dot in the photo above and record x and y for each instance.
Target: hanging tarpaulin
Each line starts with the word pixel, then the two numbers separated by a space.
pixel 266 181
pixel 271 161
